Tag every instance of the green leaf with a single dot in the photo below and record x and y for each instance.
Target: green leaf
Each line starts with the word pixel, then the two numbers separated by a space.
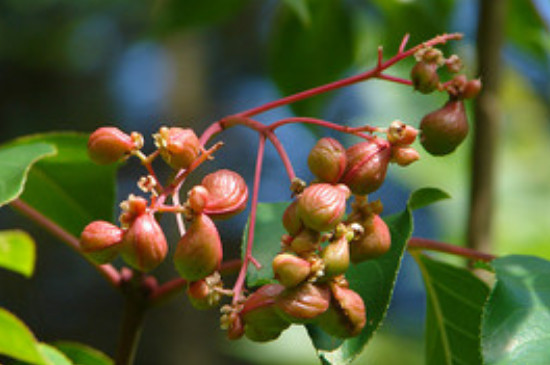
pixel 81 354
pixel 517 315
pixel 17 341
pixel 301 8
pixel 68 188
pixel 17 252
pixel 374 280
pixel 304 55
pixel 15 162
pixel 54 356
pixel 453 316
pixel 267 241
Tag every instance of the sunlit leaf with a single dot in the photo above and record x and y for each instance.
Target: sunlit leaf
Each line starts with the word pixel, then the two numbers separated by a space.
pixel 17 341
pixel 17 252
pixel 53 355
pixel 517 315
pixel 15 163
pixel 81 354
pixel 453 314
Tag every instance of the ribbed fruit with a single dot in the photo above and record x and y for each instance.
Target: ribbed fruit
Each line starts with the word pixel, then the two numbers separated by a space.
pixel 227 194
pixel 322 206
pixel 327 160
pixel 144 245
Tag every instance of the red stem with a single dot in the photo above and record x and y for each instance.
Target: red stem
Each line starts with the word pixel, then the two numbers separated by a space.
pixel 239 283
pixel 323 123
pixel 108 271
pixel 417 243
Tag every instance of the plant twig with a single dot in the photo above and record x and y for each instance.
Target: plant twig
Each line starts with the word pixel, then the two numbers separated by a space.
pixel 417 243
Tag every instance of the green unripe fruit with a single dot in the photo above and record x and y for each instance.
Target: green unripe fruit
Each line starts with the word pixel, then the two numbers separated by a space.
pixel 261 320
pixel 108 145
pixel 144 245
pixel 291 221
pixel 322 206
pixel 424 77
pixel 303 304
pixel 367 166
pixel 290 270
pixel 346 316
pixel 336 257
pixel 373 242
pixel 199 251
pixel 101 241
pixel 327 160
pixel 443 130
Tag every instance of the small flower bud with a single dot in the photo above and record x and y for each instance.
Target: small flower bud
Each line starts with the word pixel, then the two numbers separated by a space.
pixel 304 303
pixel 108 145
pixel 401 134
pixel 197 198
pixel 261 320
pixel 424 77
pixel 471 89
pixel 305 242
pixel 178 147
pixel 199 251
pixel 233 323
pixel 336 257
pixel 404 156
pixel 367 166
pixel 322 206
pixel 327 160
pixel 453 64
pixel 375 240
pixel 227 194
pixel 132 208
pixel 346 316
pixel 203 294
pixel 444 129
pixel 290 270
pixel 144 245
pixel 100 241
pixel 291 221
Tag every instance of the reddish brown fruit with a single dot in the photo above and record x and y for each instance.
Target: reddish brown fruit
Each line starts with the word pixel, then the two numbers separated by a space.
pixel 444 129
pixel 100 241
pixel 227 194
pixel 404 156
pixel 108 145
pixel 197 198
pixel 234 326
pixel 290 270
pixel 305 242
pixel 178 147
pixel 199 251
pixel 144 245
pixel 304 303
pixel 327 160
pixel 346 316
pixel 291 221
pixel 374 242
pixel 261 320
pixel 471 89
pixel 367 166
pixel 322 206
pixel 424 77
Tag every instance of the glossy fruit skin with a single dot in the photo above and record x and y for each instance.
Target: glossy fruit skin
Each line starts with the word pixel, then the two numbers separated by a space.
pixel 227 194
pixel 290 270
pixel 198 294
pixel 404 156
pixel 291 220
pixel 443 130
pixel 424 77
pixel 261 320
pixel 374 242
pixel 179 147
pixel 367 166
pixel 199 251
pixel 197 198
pixel 144 245
pixel 336 257
pixel 322 206
pixel 346 316
pixel 101 241
pixel 303 303
pixel 327 160
pixel 108 145
pixel 471 89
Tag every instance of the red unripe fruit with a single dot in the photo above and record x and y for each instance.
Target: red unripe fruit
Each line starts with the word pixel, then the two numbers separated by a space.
pixel 346 316
pixel 424 77
pixel 404 156
pixel 444 129
pixel 108 145
pixel 471 89
pixel 335 257
pixel 227 194
pixel 367 166
pixel 235 327
pixel 401 134
pixel 322 206
pixel 144 245
pixel 261 320
pixel 100 241
pixel 374 242
pixel 199 251
pixel 291 221
pixel 197 198
pixel 303 304
pixel 306 241
pixel 178 147
pixel 327 160
pixel 290 270
pixel 201 296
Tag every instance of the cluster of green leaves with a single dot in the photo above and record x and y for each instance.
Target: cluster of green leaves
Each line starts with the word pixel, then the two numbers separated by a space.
pixel 52 174
pixel 467 320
